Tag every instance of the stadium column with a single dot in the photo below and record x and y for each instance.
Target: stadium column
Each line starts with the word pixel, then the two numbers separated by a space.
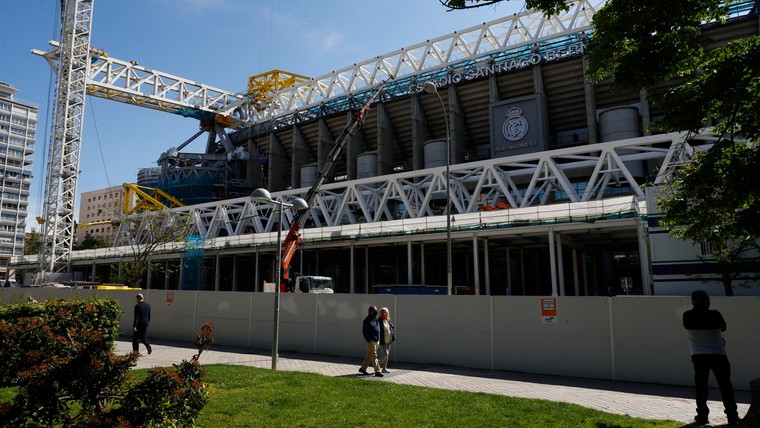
pixel 494 95
pixel 300 156
pixel 590 94
pixel 325 142
pixel 385 139
pixel 277 164
pixel 458 128
pixel 540 89
pixel 646 118
pixel 419 133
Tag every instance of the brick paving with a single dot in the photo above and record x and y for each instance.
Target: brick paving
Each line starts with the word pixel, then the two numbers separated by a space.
pixel 647 401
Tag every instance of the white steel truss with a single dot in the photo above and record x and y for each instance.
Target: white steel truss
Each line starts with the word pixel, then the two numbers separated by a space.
pixel 508 33
pixel 58 227
pixel 130 83
pixel 580 174
pixel 579 184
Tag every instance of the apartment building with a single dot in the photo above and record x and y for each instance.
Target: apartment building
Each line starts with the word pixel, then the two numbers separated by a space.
pixel 96 211
pixel 18 124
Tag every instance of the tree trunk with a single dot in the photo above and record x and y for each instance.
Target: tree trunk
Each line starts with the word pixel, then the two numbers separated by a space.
pixel 725 274
pixel 752 419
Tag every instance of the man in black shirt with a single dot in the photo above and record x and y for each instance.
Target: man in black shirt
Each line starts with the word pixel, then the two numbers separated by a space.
pixel 140 325
pixel 371 333
pixel 708 352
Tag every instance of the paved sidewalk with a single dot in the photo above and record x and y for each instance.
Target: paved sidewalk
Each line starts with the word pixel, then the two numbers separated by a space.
pixel 646 401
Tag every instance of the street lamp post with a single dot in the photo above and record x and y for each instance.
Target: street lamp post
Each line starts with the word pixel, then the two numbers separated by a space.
pixel 263 195
pixel 430 88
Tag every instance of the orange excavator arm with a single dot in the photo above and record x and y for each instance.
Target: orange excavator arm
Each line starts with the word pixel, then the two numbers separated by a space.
pixel 293 239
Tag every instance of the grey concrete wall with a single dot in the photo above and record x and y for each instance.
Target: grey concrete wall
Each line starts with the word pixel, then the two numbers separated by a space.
pixel 636 338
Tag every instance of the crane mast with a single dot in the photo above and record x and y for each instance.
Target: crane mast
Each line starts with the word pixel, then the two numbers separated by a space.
pixel 293 238
pixel 58 225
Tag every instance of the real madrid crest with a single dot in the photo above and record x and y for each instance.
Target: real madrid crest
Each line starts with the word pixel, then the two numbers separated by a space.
pixel 515 127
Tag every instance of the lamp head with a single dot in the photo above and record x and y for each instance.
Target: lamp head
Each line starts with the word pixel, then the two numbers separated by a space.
pixel 261 194
pixel 299 204
pixel 430 87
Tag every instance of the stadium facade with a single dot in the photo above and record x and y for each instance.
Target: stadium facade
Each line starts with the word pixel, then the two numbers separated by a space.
pixel 552 181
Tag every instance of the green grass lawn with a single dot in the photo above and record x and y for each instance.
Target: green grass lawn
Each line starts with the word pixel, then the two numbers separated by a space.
pixel 251 397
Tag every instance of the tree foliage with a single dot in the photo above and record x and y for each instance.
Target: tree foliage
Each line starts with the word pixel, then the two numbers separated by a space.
pixel 660 47
pixel 59 354
pixel 32 243
pixel 550 7
pixel 91 242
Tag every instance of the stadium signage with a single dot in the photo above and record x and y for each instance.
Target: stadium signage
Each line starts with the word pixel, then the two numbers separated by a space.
pixel 486 69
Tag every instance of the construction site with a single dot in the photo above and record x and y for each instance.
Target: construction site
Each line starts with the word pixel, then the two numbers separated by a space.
pixel 479 162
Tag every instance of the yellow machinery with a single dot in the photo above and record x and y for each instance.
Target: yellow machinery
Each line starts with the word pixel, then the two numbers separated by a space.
pixel 147 199
pixel 262 86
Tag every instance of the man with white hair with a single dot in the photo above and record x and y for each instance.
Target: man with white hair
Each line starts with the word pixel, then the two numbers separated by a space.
pixel 140 325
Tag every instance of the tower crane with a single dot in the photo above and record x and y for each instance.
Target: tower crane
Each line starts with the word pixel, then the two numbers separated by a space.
pixel 82 70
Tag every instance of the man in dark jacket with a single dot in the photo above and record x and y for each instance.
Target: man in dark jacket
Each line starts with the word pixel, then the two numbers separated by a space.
pixel 371 333
pixel 708 352
pixel 140 325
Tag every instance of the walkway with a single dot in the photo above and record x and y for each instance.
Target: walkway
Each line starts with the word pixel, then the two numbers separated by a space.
pixel 645 401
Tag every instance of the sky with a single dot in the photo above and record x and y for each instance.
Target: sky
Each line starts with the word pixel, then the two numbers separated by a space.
pixel 216 42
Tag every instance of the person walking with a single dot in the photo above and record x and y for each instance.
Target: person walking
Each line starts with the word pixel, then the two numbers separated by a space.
pixel 387 337
pixel 371 333
pixel 140 325
pixel 708 352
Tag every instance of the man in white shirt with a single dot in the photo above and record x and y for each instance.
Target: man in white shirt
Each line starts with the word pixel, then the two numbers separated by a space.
pixel 708 352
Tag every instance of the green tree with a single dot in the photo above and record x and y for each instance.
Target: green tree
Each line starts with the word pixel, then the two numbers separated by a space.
pixel 59 356
pixel 147 234
pixel 639 44
pixel 91 242
pixel 32 244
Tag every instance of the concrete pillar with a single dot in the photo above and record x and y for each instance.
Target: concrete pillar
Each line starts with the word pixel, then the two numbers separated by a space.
pixel 560 266
pixel 420 133
pixel 366 270
pixel 540 89
pixel 166 275
pixel 646 117
pixel 590 93
pixel 458 129
pixel 423 277
pixel 217 263
pixel 576 284
pixel 93 272
pixel 646 278
pixel 256 276
pixel 385 142
pixel 234 273
pixel 476 264
pixel 509 271
pixel 486 266
pixel 300 156
pixel 352 273
pixel 553 262
pixel 409 261
pixel 493 90
pixel 325 143
pixel 277 164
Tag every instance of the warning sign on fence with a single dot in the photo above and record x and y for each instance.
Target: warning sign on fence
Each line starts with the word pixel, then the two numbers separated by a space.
pixel 549 310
